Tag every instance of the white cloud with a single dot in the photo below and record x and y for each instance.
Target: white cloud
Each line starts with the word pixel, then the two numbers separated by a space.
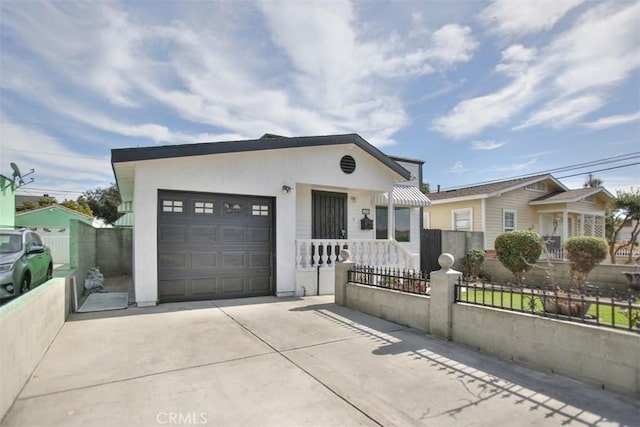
pixel 486 145
pixel 559 112
pixel 599 51
pixel 458 167
pixel 474 115
pixel 452 44
pixel 515 59
pixel 508 18
pixel 618 120
pixel 568 75
pixel 513 168
pixel 32 149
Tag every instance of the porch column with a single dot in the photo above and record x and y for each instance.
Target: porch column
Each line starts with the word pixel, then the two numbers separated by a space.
pixel 581 225
pixel 391 217
pixel 565 225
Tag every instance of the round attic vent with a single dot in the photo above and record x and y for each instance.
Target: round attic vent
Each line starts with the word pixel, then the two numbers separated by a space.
pixel 347 164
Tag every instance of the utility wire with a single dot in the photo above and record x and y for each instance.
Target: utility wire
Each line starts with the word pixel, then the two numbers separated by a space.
pixel 566 168
pixel 600 170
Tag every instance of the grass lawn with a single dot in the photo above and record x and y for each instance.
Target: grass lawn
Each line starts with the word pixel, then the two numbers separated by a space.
pixel 516 301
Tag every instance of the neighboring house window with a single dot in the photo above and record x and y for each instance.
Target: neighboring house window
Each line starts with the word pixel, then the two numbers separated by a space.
pixel 462 219
pixel 402 223
pixel 509 220
pixel 538 186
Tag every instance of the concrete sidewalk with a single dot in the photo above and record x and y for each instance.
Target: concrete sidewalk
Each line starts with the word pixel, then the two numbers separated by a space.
pixel 288 362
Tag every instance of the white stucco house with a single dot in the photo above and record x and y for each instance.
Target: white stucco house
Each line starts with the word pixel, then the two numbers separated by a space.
pixel 265 216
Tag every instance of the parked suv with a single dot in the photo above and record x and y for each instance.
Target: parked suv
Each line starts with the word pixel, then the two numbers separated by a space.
pixel 25 262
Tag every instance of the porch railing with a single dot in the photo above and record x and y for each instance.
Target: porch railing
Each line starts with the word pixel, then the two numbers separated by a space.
pixel 312 253
pixel 559 254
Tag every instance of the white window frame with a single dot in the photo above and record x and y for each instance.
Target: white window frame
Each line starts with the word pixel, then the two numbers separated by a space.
pixel 504 219
pixel 455 212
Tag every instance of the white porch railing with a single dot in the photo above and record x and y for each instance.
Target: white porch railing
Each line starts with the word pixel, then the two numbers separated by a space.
pixel 559 254
pixel 311 253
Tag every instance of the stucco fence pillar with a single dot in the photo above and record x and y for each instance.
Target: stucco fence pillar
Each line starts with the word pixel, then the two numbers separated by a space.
pixel 443 283
pixel 342 269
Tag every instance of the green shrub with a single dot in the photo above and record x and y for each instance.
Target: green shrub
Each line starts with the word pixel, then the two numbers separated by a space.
pixel 584 253
pixel 472 263
pixel 518 251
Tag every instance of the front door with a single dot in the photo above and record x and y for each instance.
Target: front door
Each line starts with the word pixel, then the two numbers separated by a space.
pixel 329 215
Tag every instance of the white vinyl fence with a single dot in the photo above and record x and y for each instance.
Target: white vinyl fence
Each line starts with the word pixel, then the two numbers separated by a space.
pixel 59 245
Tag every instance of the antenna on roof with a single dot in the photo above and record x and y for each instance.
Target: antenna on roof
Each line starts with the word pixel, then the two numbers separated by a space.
pixel 17 180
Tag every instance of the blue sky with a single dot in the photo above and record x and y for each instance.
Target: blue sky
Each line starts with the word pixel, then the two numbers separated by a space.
pixel 479 90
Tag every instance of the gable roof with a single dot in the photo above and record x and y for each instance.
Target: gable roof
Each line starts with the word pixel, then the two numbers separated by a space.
pixel 570 196
pixel 492 189
pixel 21 198
pixel 267 142
pixel 56 206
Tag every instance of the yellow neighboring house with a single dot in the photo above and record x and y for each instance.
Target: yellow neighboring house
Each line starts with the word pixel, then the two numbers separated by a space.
pixel 540 203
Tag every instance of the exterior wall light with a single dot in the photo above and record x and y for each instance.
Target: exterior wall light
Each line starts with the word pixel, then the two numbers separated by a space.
pixel 286 189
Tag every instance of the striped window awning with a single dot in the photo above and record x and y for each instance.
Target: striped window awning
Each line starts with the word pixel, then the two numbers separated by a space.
pixel 404 195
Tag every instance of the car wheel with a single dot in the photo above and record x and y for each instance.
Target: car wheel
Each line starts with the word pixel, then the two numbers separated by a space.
pixel 49 272
pixel 26 284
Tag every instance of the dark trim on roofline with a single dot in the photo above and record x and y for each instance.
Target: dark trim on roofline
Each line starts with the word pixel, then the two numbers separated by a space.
pixel 122 155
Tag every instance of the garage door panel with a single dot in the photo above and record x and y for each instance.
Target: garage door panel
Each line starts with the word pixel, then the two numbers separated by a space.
pixel 172 260
pixel 204 260
pixel 205 286
pixel 219 245
pixel 259 235
pixel 233 235
pixel 172 288
pixel 233 285
pixel 203 235
pixel 233 260
pixel 259 260
pixel 258 285
pixel 173 232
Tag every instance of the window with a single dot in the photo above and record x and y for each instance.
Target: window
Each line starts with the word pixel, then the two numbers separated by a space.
pixel 203 207
pixel 509 220
pixel 538 186
pixel 260 210
pixel 402 223
pixel 172 206
pixel 462 219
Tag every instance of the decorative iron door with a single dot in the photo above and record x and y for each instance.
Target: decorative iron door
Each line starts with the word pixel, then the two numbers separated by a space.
pixel 329 215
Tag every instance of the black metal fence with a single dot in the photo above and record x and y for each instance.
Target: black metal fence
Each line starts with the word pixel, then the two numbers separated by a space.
pixel 613 311
pixel 409 281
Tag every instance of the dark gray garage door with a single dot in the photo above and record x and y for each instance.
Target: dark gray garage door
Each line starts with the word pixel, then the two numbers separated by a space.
pixel 214 246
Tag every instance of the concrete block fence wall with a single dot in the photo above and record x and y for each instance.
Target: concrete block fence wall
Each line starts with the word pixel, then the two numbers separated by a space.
pixel 599 356
pixel 31 322
pixel 28 324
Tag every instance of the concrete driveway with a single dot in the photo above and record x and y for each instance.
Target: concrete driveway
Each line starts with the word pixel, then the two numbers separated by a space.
pixel 288 362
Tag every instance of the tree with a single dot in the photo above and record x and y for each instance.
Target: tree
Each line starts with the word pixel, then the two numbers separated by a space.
pixel 424 187
pixel 592 182
pixel 78 207
pixel 625 209
pixel 104 203
pixel 584 252
pixel 26 206
pixel 518 251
